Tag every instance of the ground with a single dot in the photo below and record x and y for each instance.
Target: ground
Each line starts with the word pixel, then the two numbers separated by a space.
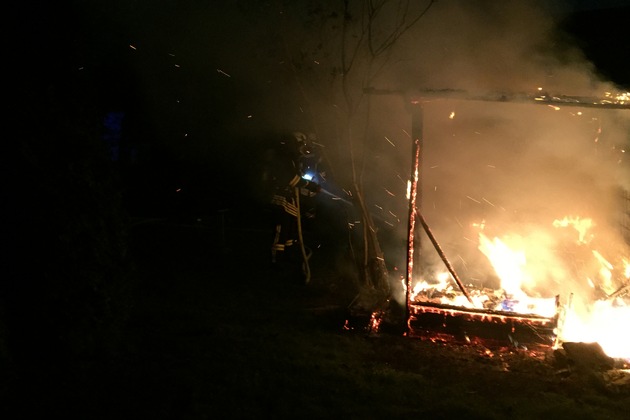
pixel 235 335
pixel 218 332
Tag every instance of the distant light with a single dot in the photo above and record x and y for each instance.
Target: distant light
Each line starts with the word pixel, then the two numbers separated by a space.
pixel 307 177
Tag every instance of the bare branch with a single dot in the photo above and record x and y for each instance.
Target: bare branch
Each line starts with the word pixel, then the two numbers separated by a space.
pixel 400 30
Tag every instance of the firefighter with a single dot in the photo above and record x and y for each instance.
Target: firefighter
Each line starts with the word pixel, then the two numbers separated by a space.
pixel 293 171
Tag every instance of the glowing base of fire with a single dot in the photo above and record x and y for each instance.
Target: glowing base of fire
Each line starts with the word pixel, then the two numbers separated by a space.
pixel 493 328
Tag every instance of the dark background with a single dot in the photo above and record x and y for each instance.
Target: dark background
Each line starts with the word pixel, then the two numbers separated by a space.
pixel 107 129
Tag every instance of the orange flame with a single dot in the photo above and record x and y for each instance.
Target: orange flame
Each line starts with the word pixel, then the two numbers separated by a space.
pixel 585 319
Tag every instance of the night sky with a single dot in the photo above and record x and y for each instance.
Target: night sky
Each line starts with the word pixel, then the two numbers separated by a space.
pixel 189 88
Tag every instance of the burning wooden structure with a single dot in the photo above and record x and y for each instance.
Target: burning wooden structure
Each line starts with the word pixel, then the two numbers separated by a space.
pixel 489 327
pixel 427 318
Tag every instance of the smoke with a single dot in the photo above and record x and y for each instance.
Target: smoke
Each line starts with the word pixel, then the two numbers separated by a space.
pixel 511 168
pixel 479 45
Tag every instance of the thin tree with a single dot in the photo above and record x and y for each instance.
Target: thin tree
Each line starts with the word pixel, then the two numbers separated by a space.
pixel 357 39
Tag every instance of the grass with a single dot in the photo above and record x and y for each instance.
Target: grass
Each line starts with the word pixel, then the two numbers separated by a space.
pixel 218 333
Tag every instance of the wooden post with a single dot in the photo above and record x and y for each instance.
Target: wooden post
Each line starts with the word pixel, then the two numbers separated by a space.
pixel 415 200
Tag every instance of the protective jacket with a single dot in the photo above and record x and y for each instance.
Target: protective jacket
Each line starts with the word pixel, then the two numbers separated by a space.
pixel 292 186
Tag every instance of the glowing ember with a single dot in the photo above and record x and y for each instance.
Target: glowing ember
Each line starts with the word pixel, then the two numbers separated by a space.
pixel 618 98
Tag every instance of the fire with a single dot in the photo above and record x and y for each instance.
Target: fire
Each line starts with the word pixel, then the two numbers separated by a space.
pixel 599 313
pixel 510 265
pixel 605 322
pixel 581 225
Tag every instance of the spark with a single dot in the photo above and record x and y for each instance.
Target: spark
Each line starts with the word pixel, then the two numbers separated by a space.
pixel 389 192
pixel 488 202
pixel 491 166
pixel 462 260
pixel 223 73
pixel 470 198
pixel 390 212
pixel 377 206
pixel 555 108
pixel 452 116
pixel 390 142
pixel 177 65
pixel 408 135
pixel 132 47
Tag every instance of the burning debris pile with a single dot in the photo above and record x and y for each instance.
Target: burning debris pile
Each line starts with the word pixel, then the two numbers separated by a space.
pixel 510 314
pixel 547 280
pixel 554 281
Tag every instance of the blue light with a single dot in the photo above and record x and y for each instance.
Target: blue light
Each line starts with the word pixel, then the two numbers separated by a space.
pixel 308 177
